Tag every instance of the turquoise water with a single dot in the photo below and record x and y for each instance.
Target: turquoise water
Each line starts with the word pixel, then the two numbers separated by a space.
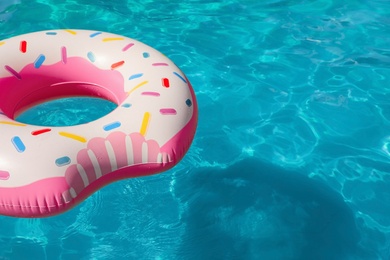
pixel 291 157
pixel 67 111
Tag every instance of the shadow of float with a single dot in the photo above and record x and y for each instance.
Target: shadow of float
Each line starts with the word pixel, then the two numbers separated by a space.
pixel 253 210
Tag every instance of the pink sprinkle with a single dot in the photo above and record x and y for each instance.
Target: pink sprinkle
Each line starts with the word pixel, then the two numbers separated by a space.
pixel 4 175
pixel 168 111
pixel 128 46
pixel 64 56
pixel 160 64
pixel 150 93
pixel 13 72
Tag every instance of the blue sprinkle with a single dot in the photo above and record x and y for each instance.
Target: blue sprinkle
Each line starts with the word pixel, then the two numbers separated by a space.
pixel 19 145
pixel 145 54
pixel 62 161
pixel 95 34
pixel 111 126
pixel 134 76
pixel 91 56
pixel 188 103
pixel 127 105
pixel 39 61
pixel 51 33
pixel 180 77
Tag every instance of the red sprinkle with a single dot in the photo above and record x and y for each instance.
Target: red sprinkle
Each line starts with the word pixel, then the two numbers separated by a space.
pixel 165 82
pixel 117 64
pixel 41 131
pixel 23 46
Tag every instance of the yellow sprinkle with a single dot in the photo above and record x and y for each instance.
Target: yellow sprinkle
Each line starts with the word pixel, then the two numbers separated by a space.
pixel 2 43
pixel 145 123
pixel 71 32
pixel 73 136
pixel 139 85
pixel 11 123
pixel 113 39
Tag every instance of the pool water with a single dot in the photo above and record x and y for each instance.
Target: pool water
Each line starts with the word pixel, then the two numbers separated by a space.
pixel 66 111
pixel 291 159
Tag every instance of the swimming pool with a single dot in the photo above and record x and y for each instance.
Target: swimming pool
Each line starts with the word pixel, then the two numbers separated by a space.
pixel 291 156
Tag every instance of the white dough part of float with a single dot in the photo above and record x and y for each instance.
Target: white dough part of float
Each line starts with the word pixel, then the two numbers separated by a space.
pixel 47 170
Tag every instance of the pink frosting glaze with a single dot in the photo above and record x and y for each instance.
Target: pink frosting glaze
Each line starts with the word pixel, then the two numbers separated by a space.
pixel 35 86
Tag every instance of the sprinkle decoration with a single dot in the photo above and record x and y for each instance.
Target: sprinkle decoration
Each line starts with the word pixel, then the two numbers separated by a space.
pixel 39 61
pixel 128 46
pixel 13 72
pixel 41 131
pixel 160 64
pixel 179 76
pixel 73 136
pixel 150 93
pixel 117 64
pixel 18 144
pixel 62 161
pixel 11 123
pixel 23 47
pixel 138 86
pixel 4 175
pixel 91 56
pixel 95 34
pixel 112 126
pixel 64 56
pixel 145 123
pixel 165 82
pixel 110 39
pixel 168 111
pixel 71 32
pixel 135 76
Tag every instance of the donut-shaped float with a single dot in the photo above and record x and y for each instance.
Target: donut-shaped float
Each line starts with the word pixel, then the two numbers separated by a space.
pixel 47 170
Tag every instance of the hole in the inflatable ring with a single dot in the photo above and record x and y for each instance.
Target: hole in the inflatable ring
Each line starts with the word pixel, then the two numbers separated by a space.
pixel 67 111
pixel 62 103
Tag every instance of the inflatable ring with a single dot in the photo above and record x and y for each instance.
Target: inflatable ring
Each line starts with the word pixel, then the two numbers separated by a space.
pixel 47 170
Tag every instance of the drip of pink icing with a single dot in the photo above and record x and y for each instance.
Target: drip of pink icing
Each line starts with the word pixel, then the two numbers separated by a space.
pixel 97 148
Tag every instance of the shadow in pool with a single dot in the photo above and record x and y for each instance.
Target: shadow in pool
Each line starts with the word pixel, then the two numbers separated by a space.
pixel 253 210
